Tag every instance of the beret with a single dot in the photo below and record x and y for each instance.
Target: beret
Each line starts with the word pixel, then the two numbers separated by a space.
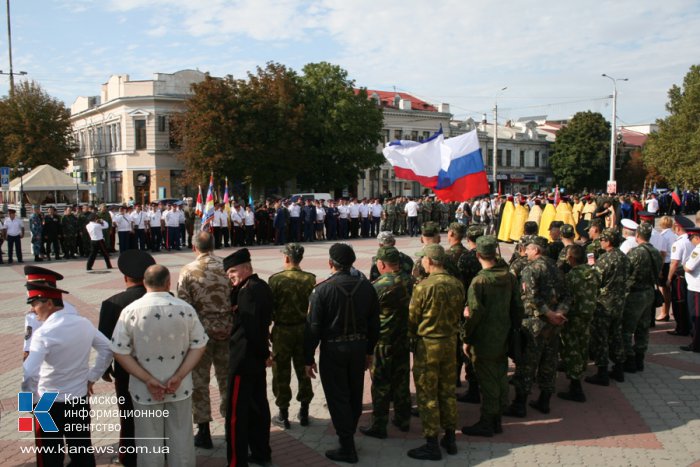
pixel 342 253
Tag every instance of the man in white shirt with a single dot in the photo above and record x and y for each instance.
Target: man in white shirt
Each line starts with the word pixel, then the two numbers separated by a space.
pixel 94 229
pixel 629 232
pixel 652 204
pixel 154 225
pixel 364 209
pixel 295 221
pixel 237 236
pixel 14 232
pixel 680 252
pixel 354 215
pixel 172 225
pixel 159 340
pixel 692 276
pixel 343 221
pixel 122 222
pixel 58 362
pixel 411 210
pixel 249 223
pixel 139 219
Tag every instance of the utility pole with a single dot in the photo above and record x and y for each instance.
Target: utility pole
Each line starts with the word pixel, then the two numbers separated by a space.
pixel 495 140
pixel 9 45
pixel 613 121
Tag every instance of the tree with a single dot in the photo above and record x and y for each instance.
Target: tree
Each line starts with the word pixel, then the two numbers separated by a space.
pixel 673 153
pixel 580 156
pixel 341 131
pixel 35 129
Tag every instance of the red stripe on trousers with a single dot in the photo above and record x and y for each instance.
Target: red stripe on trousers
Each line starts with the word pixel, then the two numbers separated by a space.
pixel 234 407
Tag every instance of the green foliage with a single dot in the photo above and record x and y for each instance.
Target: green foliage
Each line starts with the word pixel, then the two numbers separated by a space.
pixel 275 126
pixel 35 129
pixel 673 153
pixel 580 157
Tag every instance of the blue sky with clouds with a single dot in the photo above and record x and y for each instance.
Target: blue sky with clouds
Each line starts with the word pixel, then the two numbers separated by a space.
pixel 550 55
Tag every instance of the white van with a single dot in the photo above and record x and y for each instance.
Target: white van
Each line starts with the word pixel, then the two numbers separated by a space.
pixel 311 196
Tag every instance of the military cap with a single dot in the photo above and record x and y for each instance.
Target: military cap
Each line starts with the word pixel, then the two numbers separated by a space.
pixel 458 229
pixel 429 229
pixel 646 215
pixel 389 254
pixel 693 231
pixel 11 211
pixel 610 235
pixel 567 231
pixel 432 251
pixel 684 222
pixel 342 253
pixel 386 238
pixel 629 224
pixel 597 222
pixel 555 225
pixel 42 290
pixel 36 206
pixel 530 228
pixel 539 241
pixel 525 240
pixel 237 257
pixel 295 251
pixel 133 263
pixel 486 245
pixel 475 231
pixel 644 230
pixel 39 274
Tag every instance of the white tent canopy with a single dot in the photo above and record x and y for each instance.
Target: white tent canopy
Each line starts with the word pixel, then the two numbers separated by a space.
pixel 47 184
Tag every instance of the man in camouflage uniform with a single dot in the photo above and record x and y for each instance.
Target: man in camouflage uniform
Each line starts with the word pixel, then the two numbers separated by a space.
pixel 36 223
pixel 386 238
pixel 583 284
pixel 545 302
pixel 645 267
pixel 189 221
pixel 388 216
pixel 401 217
pixel 455 234
pixel 519 260
pixel 391 367
pixel 83 237
pixel 433 321
pixel 555 246
pixel 469 266
pixel 69 231
pixel 430 234
pixel 290 292
pixel 494 301
pixel 606 328
pixel 594 230
pixel 203 283
pixel 567 239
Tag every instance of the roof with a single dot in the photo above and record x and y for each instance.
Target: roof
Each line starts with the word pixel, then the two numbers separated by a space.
pixel 386 98
pixel 46 178
pixel 633 138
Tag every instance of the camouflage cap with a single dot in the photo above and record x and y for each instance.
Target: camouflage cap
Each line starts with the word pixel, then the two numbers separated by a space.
pixel 389 254
pixel 610 235
pixel 487 245
pixel 598 223
pixel 295 251
pixel 386 238
pixel 567 231
pixel 539 241
pixel 475 231
pixel 525 240
pixel 429 229
pixel 644 230
pixel 458 229
pixel 432 251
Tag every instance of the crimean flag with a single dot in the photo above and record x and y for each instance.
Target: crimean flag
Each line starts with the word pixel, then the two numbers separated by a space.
pixel 453 168
pixel 199 207
pixel 208 214
pixel 675 194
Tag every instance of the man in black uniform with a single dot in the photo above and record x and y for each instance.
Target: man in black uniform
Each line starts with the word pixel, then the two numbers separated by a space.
pixel 344 318
pixel 248 412
pixel 133 264
pixel 51 231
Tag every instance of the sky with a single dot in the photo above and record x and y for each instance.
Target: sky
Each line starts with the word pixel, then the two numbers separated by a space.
pixel 549 55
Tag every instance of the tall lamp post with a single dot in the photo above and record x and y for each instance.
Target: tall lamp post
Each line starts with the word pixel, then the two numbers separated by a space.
pixel 613 133
pixel 76 176
pixel 495 139
pixel 21 169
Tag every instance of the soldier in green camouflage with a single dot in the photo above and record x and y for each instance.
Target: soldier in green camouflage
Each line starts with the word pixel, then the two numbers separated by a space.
pixel 493 299
pixel 189 221
pixel 583 283
pixel 69 233
pixel 427 210
pixel 546 302
pixel 433 320
pixel 455 234
pixel 290 292
pixel 594 230
pixel 401 217
pixel 567 238
pixel 519 259
pixel 430 234
pixel 645 266
pixel 391 366
pixel 606 327
pixel 388 216
pixel 204 285
pixel 444 210
pixel 386 238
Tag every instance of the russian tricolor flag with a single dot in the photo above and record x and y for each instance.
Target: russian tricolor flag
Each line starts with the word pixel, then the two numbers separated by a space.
pixel 453 168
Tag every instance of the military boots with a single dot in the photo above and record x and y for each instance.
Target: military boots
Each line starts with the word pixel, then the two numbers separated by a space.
pixel 484 428
pixel 639 361
pixel 346 453
pixel 542 403
pixel 304 414
pixel 575 392
pixel 203 437
pixel 602 378
pixel 282 419
pixel 430 451
pixel 517 408
pixel 449 442
pixel 617 373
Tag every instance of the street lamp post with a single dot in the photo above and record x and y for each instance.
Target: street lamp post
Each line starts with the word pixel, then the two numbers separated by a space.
pixel 495 139
pixel 613 132
pixel 22 209
pixel 76 176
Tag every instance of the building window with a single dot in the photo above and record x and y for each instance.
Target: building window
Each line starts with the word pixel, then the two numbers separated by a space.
pixel 115 180
pixel 522 158
pixel 537 158
pixel 490 158
pixel 397 134
pixel 414 135
pixel 544 160
pixel 140 134
pixel 387 136
pixel 162 123
pixel 509 158
pixel 500 157
pixel 426 135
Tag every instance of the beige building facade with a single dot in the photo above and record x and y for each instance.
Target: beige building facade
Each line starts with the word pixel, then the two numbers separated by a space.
pixel 124 137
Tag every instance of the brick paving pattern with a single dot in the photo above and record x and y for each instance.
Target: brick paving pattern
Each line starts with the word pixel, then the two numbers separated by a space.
pixel 651 419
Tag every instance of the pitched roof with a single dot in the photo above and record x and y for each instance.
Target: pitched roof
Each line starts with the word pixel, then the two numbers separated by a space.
pixel 386 98
pixel 633 138
pixel 46 178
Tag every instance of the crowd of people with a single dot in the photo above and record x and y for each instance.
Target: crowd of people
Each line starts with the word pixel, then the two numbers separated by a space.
pixel 579 289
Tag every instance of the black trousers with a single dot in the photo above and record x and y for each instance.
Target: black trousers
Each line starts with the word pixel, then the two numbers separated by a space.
pixel 173 237
pixel 342 370
pixel 247 419
pixel 124 240
pixel 294 229
pixel 80 439
pixel 343 228
pixel 126 435
pixel 14 242
pixel 156 238
pixel 49 241
pixel 228 235
pixel 96 246
pixel 141 239
pixel 679 304
pixel 217 237
pixel 249 235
